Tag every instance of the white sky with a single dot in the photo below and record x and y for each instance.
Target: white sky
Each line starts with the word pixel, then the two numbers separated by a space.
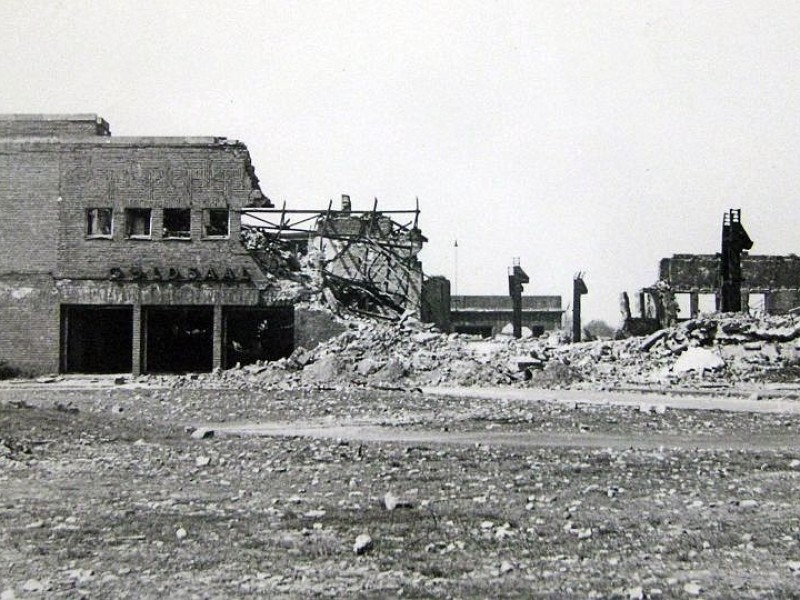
pixel 578 136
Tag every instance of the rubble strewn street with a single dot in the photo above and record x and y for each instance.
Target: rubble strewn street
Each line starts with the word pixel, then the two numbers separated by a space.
pixel 352 482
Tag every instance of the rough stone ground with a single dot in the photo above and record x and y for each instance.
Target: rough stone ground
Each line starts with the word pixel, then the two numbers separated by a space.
pixel 105 494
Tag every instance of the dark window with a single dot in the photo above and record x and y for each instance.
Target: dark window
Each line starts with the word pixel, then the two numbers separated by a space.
pixel 253 334
pixel 99 222
pixel 178 339
pixel 215 222
pixel 137 222
pixel 96 339
pixel 177 222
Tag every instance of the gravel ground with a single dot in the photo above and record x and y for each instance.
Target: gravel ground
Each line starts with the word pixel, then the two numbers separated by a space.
pixel 104 493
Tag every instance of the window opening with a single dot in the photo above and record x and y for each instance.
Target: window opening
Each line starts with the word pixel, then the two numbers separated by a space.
pixel 99 222
pixel 757 303
pixel 215 222
pixel 707 303
pixel 684 303
pixel 177 222
pixel 137 222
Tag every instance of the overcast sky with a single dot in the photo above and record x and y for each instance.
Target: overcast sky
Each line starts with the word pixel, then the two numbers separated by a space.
pixel 577 136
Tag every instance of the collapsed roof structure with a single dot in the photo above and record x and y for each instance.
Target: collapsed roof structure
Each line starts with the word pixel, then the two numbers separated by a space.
pixel 365 261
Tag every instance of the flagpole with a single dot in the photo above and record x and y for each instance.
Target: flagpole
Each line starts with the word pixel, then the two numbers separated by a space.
pixel 455 268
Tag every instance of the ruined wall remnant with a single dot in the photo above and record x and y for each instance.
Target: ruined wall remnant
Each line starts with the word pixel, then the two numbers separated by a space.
pixel 735 242
pixel 729 281
pixel 578 289
pixel 436 302
pixel 313 327
pixel 687 272
pixel 777 278
pixel 370 261
pixel 489 315
pixel 517 277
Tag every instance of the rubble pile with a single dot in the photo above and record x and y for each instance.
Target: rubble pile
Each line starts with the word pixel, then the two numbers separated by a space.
pixel 720 350
pixel 724 349
pixel 395 354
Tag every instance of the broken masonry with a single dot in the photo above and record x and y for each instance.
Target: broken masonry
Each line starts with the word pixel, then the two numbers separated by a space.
pixel 365 261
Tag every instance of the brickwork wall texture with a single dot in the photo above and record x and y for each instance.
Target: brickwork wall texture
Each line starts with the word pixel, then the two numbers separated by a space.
pixel 771 272
pixel 312 327
pixel 436 302
pixel 154 177
pixel 781 301
pixel 29 187
pixel 46 258
pixel 499 319
pixel 29 323
pixel 504 302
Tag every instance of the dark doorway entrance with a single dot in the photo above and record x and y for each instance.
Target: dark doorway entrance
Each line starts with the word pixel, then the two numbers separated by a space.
pixel 178 339
pixel 253 334
pixel 96 339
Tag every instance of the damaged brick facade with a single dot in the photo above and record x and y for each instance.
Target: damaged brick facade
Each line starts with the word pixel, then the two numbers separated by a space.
pixel 109 242
pixel 371 252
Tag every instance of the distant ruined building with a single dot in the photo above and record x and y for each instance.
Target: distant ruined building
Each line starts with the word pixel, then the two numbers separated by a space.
pixel 769 284
pixel 731 281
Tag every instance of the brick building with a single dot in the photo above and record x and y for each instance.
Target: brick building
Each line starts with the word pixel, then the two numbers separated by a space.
pixel 122 254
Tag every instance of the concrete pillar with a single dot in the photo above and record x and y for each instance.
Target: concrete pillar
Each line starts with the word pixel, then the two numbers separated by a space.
pixel 576 315
pixel 745 300
pixel 578 289
pixel 694 304
pixel 216 360
pixel 516 278
pixel 138 342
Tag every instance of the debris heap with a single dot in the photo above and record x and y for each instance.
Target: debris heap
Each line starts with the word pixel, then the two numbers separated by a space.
pixel 723 350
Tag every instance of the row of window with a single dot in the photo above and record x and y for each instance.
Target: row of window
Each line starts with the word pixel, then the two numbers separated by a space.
pixel 138 223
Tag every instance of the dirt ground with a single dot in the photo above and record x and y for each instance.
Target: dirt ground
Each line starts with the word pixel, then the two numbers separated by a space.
pixel 104 493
